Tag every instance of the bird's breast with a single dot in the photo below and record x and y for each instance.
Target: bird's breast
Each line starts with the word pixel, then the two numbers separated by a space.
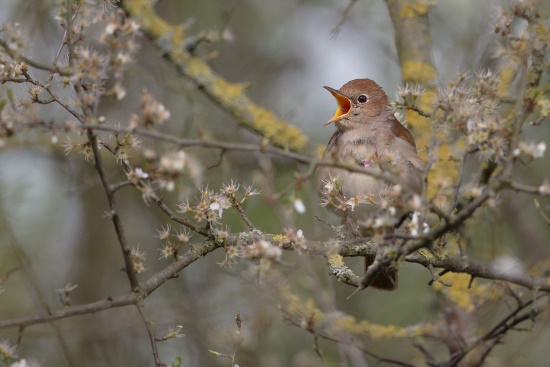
pixel 377 153
pixel 355 154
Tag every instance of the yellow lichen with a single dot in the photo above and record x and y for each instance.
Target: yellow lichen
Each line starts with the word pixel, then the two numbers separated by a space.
pixel 418 71
pixel 311 316
pixel 544 105
pixel 144 11
pixel 427 99
pixel 292 303
pixel 420 124
pixel 199 71
pixel 540 268
pixel 230 96
pixel 506 77
pixel 422 129
pixel 542 31
pixel 439 252
pixel 414 9
pixel 320 151
pixel 229 91
pixel 377 331
pixel 464 297
pixel 297 307
pixel 280 239
pixel 458 293
pixel 277 131
pixel 427 254
pixel 336 261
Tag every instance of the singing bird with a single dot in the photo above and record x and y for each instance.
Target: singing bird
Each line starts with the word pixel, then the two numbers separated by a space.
pixel 369 135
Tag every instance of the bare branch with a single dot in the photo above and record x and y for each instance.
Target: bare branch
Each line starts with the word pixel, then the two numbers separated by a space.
pixel 17 56
pixel 151 334
pixel 113 213
pixel 148 287
pixel 230 97
pixel 363 350
pixel 343 18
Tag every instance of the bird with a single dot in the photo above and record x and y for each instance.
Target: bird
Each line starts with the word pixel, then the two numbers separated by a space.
pixel 369 135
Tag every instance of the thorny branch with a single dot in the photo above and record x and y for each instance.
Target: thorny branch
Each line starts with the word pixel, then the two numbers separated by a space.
pixel 149 286
pixel 376 357
pixel 151 335
pixel 113 213
pixel 494 336
pixel 410 243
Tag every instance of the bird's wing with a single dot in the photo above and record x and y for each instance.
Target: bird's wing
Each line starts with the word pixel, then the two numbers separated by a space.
pixel 332 142
pixel 402 133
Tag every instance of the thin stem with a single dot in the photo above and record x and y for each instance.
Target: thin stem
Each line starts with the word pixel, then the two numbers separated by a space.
pixel 242 213
pixel 458 183
pixel 151 335
pixel 17 56
pixel 148 287
pixel 363 350
pixel 113 213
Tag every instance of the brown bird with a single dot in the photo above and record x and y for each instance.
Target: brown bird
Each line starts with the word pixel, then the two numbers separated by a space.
pixel 369 135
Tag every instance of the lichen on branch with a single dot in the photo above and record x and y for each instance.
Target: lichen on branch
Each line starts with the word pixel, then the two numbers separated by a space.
pixel 230 96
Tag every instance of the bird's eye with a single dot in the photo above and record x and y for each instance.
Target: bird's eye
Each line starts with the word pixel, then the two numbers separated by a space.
pixel 362 98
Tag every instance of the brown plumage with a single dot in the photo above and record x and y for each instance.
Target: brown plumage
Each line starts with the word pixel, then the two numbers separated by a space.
pixel 369 135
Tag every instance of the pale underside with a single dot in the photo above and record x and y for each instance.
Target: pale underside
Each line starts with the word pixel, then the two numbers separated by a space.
pixel 388 156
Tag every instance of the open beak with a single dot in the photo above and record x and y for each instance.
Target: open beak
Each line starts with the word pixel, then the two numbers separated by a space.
pixel 344 105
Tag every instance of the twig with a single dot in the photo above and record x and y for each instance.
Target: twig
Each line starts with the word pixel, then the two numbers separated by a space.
pixel 495 333
pixel 343 18
pixel 440 274
pixel 429 358
pixel 373 271
pixel 237 344
pixel 271 150
pixel 414 108
pixel 457 184
pixel 182 143
pixel 242 213
pixel 119 185
pixel 38 83
pixel 151 335
pixel 239 340
pixel 534 190
pixel 113 213
pixel 148 287
pixel 512 293
pixel 7 274
pixel 218 162
pixel 160 203
pixel 520 114
pixel 481 270
pixel 229 96
pixel 312 162
pixel 316 347
pixel 471 281
pixel 385 236
pixel 542 213
pixel 58 54
pixel 436 277
pixel 17 56
pixel 363 350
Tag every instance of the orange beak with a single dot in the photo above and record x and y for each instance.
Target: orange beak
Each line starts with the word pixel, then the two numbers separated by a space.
pixel 344 105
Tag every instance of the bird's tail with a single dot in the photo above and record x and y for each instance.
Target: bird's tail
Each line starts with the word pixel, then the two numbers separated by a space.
pixel 386 279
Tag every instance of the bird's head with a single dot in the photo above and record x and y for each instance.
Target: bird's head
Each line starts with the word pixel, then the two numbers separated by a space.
pixel 360 102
